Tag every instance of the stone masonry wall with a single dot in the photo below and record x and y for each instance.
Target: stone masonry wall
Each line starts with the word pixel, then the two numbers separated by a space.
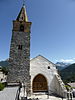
pixel 19 62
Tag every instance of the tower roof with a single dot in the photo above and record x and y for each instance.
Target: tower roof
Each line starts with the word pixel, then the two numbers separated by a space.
pixel 22 15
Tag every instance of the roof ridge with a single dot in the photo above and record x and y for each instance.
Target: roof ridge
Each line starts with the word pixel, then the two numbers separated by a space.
pixel 42 57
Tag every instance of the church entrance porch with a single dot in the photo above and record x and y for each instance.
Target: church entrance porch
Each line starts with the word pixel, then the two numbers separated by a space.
pixel 40 84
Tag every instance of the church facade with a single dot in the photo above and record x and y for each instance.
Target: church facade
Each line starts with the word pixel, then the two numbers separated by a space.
pixel 38 74
pixel 45 77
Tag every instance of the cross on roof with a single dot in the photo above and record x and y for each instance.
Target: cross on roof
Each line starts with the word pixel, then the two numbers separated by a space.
pixel 23 2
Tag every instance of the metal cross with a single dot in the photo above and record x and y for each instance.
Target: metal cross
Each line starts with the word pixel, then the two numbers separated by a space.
pixel 23 2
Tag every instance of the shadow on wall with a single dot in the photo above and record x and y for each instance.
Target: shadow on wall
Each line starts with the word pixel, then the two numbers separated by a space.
pixel 56 88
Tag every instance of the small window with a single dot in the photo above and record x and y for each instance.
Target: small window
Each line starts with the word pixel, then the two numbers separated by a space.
pixel 20 47
pixel 48 67
pixel 22 28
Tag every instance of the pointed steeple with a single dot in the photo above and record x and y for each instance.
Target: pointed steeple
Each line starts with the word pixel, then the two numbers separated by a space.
pixel 22 15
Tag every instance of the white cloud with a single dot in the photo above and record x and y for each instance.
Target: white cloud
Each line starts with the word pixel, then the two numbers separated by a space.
pixel 67 60
pixel 31 58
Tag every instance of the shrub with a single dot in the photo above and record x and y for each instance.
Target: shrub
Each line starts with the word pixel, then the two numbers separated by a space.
pixel 2 86
pixel 68 87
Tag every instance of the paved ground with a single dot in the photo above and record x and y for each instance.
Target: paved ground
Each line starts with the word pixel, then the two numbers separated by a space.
pixel 45 97
pixel 8 93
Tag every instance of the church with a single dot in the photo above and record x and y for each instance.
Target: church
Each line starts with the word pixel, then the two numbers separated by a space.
pixel 38 74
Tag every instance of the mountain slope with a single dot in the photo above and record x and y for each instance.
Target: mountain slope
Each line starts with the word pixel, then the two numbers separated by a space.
pixel 68 74
pixel 4 63
pixel 61 65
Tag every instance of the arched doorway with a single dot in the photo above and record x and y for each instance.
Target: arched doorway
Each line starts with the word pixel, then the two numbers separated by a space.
pixel 40 84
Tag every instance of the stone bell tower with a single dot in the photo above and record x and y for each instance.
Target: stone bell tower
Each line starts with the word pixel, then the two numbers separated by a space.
pixel 19 60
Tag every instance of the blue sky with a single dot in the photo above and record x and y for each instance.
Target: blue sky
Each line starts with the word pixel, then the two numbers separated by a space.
pixel 52 31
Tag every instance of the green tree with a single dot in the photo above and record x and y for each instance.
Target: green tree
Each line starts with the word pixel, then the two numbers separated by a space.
pixel 4 70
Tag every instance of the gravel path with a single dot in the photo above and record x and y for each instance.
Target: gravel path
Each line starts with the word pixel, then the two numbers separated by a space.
pixel 8 93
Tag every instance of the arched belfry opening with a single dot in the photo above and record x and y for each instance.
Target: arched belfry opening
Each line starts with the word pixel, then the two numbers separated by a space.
pixel 40 84
pixel 22 28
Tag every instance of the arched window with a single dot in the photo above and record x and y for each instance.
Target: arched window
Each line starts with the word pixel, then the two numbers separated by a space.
pixel 22 28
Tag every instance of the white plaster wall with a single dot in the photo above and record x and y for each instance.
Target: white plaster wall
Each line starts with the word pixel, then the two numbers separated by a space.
pixel 2 76
pixel 39 65
pixel 58 87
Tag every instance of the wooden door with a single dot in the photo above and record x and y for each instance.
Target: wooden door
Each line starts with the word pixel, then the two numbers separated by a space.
pixel 40 84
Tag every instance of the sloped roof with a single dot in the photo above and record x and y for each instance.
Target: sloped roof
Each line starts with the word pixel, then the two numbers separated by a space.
pixel 43 58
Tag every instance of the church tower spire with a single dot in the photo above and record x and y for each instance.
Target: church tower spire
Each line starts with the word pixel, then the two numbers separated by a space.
pixel 19 58
pixel 22 15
